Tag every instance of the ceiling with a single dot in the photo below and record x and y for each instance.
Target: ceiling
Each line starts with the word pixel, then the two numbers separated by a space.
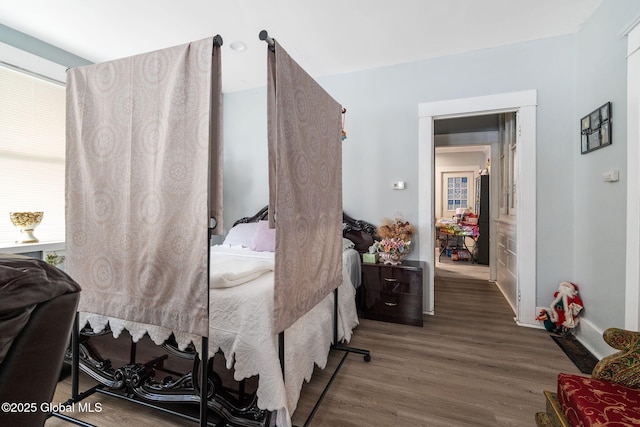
pixel 325 37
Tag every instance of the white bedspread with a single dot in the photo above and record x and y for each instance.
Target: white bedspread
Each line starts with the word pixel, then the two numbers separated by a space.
pixel 241 322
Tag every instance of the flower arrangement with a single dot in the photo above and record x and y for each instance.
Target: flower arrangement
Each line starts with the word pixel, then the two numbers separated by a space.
pixel 396 229
pixel 396 240
pixel 394 246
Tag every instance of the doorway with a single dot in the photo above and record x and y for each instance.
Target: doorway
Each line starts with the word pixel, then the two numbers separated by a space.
pixel 462 185
pixel 524 103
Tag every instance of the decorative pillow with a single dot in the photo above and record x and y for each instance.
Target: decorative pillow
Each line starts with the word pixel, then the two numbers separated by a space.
pixel 264 239
pixel 241 234
pixel 361 239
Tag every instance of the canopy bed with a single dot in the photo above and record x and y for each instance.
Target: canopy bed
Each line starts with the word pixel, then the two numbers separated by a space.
pixel 144 186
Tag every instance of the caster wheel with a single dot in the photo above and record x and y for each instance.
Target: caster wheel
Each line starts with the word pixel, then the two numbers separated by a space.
pixel 367 358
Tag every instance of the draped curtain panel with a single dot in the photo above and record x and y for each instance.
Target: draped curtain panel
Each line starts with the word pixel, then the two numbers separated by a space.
pixel 305 167
pixel 137 178
pixel 216 159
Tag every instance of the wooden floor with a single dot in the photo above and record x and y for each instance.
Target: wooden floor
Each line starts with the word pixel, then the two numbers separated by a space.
pixel 470 365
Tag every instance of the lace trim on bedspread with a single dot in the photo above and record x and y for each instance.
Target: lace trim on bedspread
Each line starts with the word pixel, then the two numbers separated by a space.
pixel 158 334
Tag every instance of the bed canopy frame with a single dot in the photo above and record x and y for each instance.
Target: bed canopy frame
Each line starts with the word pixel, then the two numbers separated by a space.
pixel 134 375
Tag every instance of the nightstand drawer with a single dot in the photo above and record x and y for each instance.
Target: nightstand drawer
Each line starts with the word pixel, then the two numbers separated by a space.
pixel 392 293
pixel 397 308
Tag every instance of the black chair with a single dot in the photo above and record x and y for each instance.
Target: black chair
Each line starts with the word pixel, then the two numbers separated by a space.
pixel 31 367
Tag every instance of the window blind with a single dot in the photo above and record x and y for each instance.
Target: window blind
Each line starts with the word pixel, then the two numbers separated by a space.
pixel 32 153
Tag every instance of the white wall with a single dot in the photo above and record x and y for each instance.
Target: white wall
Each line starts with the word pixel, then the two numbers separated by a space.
pixel 246 185
pixel 382 146
pixel 382 130
pixel 599 215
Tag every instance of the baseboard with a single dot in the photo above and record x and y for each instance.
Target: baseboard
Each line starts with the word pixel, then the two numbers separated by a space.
pixel 506 298
pixel 590 336
pixel 536 325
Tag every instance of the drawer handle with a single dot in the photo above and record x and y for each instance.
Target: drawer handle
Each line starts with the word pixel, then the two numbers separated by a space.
pixel 390 279
pixel 391 304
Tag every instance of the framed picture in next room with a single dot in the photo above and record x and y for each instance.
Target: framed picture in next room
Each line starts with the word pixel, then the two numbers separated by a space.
pixel 595 129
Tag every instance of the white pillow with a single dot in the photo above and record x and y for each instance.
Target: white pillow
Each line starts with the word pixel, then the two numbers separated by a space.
pixel 241 234
pixel 347 244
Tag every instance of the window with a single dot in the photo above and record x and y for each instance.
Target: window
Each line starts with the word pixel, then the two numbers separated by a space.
pixel 32 153
pixel 457 193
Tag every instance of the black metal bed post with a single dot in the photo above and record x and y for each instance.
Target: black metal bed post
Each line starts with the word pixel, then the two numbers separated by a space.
pixel 263 35
pixel 204 356
pixel 75 357
pixel 335 316
pixel 204 388
pixel 213 223
pixel 336 346
pixel 281 351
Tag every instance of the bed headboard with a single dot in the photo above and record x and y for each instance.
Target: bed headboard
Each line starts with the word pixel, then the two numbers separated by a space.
pixel 360 232
pixel 261 215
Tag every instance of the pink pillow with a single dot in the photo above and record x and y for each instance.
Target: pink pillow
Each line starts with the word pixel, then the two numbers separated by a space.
pixel 265 238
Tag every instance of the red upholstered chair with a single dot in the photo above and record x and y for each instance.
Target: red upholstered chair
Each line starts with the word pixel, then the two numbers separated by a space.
pixel 610 397
pixel 33 351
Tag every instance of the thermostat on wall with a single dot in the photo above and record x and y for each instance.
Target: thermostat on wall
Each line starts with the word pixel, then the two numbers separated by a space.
pixel 399 185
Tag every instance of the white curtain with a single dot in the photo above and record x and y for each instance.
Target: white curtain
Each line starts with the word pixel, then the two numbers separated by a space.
pixel 305 168
pixel 137 184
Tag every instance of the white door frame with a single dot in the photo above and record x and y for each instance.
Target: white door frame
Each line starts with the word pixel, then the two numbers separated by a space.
pixel 632 293
pixel 525 103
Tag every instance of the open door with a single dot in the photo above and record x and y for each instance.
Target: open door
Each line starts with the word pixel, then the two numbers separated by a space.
pixel 524 103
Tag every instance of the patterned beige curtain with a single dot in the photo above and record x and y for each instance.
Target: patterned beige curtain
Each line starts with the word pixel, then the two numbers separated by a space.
pixel 138 135
pixel 305 168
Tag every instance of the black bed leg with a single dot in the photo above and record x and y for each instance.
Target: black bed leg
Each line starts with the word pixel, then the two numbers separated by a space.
pixel 75 358
pixel 281 351
pixel 204 385
pixel 335 316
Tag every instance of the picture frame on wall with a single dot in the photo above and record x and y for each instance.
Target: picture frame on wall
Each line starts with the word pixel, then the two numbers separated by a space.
pixel 594 140
pixel 585 124
pixel 605 134
pixel 595 119
pixel 595 129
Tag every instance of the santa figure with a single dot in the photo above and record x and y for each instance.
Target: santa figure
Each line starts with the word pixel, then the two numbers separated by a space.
pixel 564 310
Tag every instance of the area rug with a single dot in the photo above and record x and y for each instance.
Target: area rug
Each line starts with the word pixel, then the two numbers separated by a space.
pixel 579 355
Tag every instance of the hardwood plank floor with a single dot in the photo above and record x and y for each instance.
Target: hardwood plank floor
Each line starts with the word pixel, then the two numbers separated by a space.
pixel 470 365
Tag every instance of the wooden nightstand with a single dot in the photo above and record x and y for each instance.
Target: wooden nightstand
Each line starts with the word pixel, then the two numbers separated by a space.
pixel 393 293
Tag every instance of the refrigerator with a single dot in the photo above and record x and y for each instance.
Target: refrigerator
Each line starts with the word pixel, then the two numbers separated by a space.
pixel 482 209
